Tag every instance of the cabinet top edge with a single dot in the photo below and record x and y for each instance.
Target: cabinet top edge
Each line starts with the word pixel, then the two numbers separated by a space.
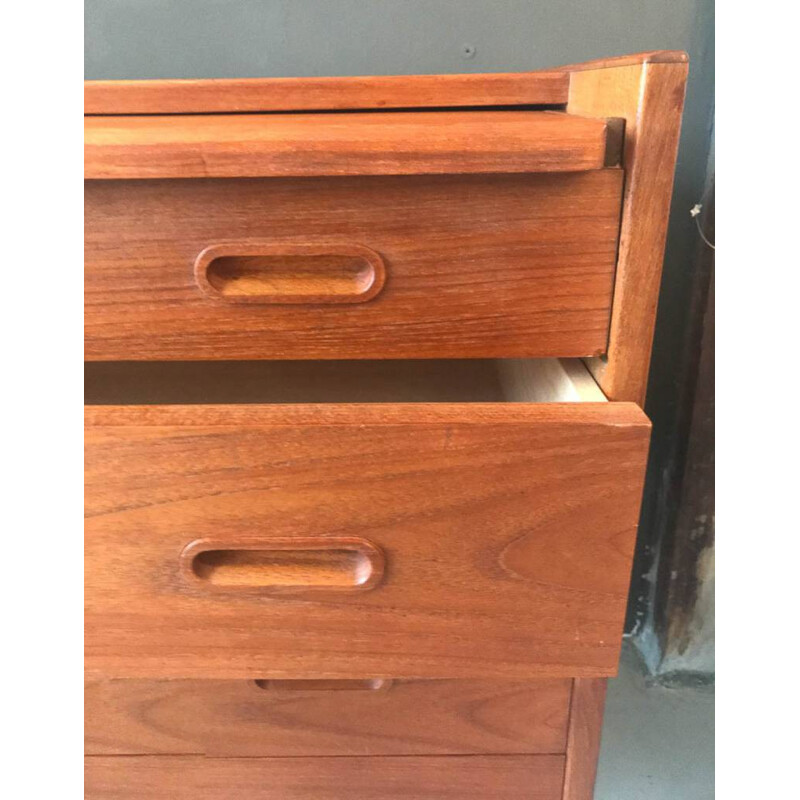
pixel 548 87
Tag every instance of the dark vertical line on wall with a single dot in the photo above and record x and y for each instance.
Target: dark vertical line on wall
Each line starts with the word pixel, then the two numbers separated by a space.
pixel 670 368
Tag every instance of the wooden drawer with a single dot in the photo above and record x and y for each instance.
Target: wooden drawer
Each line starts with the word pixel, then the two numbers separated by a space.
pixel 379 577
pixel 384 267
pixel 148 146
pixel 325 718
pixel 501 777
pixel 301 240
pixel 433 540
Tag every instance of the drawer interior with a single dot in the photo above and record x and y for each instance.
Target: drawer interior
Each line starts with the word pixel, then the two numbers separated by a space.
pixel 421 381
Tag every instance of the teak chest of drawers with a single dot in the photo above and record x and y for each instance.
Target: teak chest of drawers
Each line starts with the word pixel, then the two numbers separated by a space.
pixel 365 447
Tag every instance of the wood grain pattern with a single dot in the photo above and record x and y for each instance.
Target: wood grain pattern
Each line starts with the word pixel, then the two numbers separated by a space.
pixel 583 744
pixel 547 87
pixel 491 266
pixel 646 57
pixel 237 718
pixel 649 96
pixel 369 778
pixel 291 145
pixel 325 93
pixel 508 531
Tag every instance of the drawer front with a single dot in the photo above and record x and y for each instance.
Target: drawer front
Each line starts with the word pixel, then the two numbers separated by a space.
pixel 325 718
pixel 389 143
pixel 363 541
pixel 371 267
pixel 429 777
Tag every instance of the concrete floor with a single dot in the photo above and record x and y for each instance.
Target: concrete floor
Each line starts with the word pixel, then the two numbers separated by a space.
pixel 658 742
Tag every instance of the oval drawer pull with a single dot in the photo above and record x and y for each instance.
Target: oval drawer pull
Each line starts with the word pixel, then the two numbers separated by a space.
pixel 324 685
pixel 284 565
pixel 263 272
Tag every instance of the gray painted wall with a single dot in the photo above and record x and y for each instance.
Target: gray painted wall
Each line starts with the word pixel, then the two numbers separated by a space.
pixel 247 38
pixel 250 38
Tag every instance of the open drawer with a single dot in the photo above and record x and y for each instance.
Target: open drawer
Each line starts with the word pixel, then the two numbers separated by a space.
pixel 452 234
pixel 361 540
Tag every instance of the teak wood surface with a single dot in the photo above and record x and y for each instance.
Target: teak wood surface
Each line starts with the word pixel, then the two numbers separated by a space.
pixel 237 718
pixel 500 777
pixel 649 97
pixel 324 93
pixel 476 266
pixel 583 743
pixel 292 145
pixel 225 95
pixel 633 59
pixel 508 531
pixel 519 521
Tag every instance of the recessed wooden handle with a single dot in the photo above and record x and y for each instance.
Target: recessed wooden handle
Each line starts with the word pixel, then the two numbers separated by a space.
pixel 322 685
pixel 284 565
pixel 290 273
